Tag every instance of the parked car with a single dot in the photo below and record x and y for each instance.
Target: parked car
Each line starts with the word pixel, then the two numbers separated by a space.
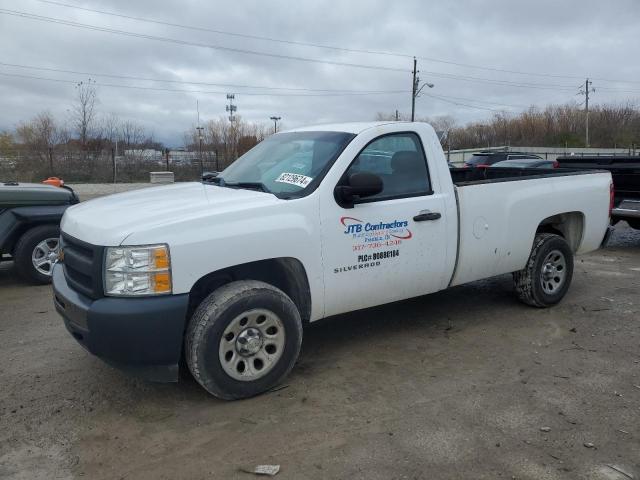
pixel 526 163
pixel 625 171
pixel 485 159
pixel 29 217
pixel 225 273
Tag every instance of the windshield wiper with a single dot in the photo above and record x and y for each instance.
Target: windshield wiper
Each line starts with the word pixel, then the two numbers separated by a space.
pixel 250 185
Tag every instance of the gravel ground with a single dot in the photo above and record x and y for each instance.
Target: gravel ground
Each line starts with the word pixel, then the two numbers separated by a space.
pixel 466 383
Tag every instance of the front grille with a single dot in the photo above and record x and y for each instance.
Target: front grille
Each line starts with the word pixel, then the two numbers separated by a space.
pixel 83 266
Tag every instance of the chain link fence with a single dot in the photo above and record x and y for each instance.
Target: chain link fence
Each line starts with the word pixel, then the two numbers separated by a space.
pixel 130 166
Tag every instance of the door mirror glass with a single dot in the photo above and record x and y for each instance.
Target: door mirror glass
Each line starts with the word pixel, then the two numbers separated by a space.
pixel 358 185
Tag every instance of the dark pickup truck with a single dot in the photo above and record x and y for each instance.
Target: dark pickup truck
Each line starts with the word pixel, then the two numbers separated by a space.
pixel 625 171
pixel 30 215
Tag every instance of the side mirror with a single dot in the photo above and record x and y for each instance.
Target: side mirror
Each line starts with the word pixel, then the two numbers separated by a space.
pixel 208 176
pixel 357 186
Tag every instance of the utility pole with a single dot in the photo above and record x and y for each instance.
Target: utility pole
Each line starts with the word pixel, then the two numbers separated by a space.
pixel 587 90
pixel 414 88
pixel 200 129
pixel 113 159
pixel 115 163
pixel 415 91
pixel 275 123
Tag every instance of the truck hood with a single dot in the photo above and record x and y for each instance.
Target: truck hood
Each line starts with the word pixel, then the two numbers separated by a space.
pixel 109 220
pixel 27 194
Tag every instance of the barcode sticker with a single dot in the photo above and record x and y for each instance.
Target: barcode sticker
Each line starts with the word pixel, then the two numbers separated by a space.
pixel 294 179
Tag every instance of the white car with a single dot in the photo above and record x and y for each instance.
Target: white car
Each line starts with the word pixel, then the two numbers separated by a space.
pixel 310 223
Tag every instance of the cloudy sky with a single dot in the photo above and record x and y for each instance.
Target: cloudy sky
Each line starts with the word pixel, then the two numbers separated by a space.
pixel 277 61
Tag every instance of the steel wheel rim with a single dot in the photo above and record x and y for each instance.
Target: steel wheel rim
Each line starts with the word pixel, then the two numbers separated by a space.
pixel 45 255
pixel 251 345
pixel 553 272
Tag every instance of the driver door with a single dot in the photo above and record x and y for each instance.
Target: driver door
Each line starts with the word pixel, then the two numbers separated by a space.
pixel 384 249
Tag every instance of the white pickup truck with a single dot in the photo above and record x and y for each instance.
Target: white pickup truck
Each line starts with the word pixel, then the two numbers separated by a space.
pixel 310 223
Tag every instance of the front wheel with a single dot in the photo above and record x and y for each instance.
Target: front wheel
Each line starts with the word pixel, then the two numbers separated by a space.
pixel 36 252
pixel 243 339
pixel 546 277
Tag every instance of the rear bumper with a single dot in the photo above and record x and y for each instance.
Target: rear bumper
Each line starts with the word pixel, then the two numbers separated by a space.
pixel 140 335
pixel 627 209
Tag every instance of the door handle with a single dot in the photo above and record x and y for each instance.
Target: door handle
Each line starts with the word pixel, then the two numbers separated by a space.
pixel 427 215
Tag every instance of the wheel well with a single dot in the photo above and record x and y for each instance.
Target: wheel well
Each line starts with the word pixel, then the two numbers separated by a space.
pixel 287 274
pixel 569 226
pixel 9 244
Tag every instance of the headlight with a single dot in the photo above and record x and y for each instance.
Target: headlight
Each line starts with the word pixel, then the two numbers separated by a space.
pixel 136 271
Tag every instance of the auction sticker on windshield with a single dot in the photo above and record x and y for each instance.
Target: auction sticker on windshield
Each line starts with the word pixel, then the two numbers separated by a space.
pixel 294 179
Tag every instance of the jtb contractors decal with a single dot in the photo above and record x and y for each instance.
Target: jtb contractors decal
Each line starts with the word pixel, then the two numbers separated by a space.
pixel 368 235
pixel 294 179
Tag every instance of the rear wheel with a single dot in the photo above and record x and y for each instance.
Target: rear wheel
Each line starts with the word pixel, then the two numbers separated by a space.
pixel 36 252
pixel 243 339
pixel 546 277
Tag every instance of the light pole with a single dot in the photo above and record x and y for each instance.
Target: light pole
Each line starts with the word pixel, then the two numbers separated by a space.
pixel 200 129
pixel 275 123
pixel 415 91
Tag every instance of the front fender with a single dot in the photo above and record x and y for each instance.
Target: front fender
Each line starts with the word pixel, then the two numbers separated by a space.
pixel 13 222
pixel 199 246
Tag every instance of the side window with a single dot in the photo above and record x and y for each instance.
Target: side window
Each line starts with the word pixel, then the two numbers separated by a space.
pixel 399 160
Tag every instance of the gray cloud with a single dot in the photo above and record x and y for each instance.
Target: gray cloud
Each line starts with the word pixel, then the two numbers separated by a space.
pixel 567 38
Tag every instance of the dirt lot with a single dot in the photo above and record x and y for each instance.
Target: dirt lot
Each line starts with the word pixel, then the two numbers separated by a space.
pixel 466 383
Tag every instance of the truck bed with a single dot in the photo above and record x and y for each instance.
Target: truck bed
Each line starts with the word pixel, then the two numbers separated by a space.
pixel 476 176
pixel 500 209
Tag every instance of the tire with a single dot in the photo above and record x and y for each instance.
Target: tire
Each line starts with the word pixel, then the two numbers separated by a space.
pixel 634 223
pixel 37 243
pixel 545 279
pixel 256 312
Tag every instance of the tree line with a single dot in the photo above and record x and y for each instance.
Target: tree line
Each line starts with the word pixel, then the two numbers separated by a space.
pixel 91 146
pixel 615 125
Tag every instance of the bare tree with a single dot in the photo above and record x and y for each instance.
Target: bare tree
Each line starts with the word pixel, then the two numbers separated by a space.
pixel 6 142
pixel 133 138
pixel 110 129
pixel 39 136
pixel 84 110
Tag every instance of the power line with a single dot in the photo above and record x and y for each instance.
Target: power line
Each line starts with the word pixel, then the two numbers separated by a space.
pixel 324 46
pixel 445 98
pixel 483 102
pixel 542 86
pixel 437 74
pixel 618 90
pixel 275 55
pixel 150 79
pixel 461 104
pixel 159 89
pixel 176 41
pixel 226 32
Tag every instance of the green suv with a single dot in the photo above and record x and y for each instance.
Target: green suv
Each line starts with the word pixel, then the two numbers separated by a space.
pixel 30 215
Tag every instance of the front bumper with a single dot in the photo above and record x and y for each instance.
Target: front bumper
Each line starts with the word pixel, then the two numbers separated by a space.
pixel 140 335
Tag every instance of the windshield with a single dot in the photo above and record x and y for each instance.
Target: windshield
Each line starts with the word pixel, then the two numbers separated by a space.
pixel 515 163
pixel 286 164
pixel 478 160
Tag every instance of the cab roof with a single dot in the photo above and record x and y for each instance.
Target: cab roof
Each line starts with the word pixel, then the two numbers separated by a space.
pixel 349 127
